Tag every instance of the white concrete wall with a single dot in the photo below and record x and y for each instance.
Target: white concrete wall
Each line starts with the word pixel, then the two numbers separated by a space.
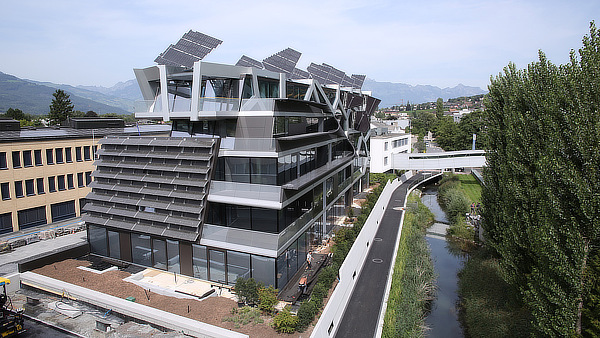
pixel 350 269
pixel 437 161
pixel 378 152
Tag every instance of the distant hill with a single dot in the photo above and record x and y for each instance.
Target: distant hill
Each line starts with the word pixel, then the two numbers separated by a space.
pixel 392 94
pixel 35 98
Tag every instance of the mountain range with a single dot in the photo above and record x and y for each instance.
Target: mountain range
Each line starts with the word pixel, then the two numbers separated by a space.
pixel 34 97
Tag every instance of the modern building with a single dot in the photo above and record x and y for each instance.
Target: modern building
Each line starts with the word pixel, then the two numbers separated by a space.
pixel 384 144
pixel 45 173
pixel 262 161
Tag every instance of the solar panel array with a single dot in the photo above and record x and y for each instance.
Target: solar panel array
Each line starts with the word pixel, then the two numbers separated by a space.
pixel 192 47
pixel 327 74
pixel 299 74
pixel 246 61
pixel 282 62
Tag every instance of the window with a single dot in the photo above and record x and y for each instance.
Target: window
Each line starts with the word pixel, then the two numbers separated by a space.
pixel 95 151
pixel 238 265
pixel 27 161
pixel 19 189
pixel 6 223
pixel 59 155
pixel 68 156
pixel 40 185
pixel 159 251
pixel 140 249
pixel 49 156
pixel 32 217
pixel 86 153
pixel 29 188
pixel 263 269
pixel 3 164
pixel 385 160
pixel 16 157
pixel 114 246
pixel 78 154
pixel 61 182
pixel 385 146
pixel 97 237
pixel 88 178
pixel 216 266
pixel 70 183
pixel 5 188
pixel 199 261
pixel 62 210
pixel 173 255
pixel 38 157
pixel 80 181
pixel 51 184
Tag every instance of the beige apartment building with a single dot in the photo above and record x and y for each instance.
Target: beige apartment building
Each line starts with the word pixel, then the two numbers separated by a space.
pixel 45 173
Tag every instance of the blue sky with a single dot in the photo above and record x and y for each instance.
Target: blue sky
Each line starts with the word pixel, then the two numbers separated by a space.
pixel 429 42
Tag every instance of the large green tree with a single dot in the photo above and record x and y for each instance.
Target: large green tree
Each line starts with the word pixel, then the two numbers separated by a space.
pixel 61 108
pixel 542 192
pixel 439 108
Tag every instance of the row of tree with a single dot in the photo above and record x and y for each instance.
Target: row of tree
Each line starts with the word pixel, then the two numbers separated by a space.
pixel 61 109
pixel 448 134
pixel 542 193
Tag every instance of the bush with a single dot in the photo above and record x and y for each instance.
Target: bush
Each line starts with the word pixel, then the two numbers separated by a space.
pixel 247 290
pixel 306 313
pixel 267 299
pixel 285 321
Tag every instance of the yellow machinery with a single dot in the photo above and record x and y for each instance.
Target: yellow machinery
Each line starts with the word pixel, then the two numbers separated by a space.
pixel 11 322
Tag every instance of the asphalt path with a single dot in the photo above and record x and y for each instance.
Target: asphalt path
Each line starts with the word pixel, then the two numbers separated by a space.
pixel 362 312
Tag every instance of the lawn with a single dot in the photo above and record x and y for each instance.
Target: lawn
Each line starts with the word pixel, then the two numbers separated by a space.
pixel 471 187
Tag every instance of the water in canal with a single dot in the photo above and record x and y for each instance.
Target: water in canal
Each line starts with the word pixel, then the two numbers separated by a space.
pixel 447 261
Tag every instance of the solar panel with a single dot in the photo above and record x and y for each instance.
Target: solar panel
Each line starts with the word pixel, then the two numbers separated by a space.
pixel 246 61
pixel 282 62
pixel 358 80
pixel 192 47
pixel 300 74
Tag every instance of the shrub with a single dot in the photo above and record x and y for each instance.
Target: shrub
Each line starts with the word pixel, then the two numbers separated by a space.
pixel 247 290
pixel 306 313
pixel 285 321
pixel 267 299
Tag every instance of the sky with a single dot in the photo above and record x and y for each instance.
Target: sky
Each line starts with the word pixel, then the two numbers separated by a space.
pixel 427 42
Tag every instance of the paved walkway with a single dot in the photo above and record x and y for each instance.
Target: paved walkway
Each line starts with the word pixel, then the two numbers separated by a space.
pixel 9 260
pixel 362 313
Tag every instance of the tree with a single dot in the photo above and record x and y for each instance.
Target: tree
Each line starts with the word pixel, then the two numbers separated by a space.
pixel 61 108
pixel 439 108
pixel 541 207
pixel 91 113
pixel 16 114
pixel 408 106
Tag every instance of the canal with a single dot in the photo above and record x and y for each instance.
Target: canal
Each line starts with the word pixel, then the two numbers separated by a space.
pixel 448 261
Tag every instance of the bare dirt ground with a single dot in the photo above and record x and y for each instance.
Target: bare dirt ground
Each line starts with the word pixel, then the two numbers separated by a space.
pixel 211 310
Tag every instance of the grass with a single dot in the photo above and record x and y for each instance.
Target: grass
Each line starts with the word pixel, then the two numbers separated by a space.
pixel 412 282
pixel 490 307
pixel 471 187
pixel 244 316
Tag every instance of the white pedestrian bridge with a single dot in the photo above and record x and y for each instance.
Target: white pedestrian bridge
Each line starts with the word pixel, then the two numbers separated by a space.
pixel 439 161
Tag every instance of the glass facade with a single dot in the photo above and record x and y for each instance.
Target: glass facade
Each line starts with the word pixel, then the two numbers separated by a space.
pixel 114 246
pixel 200 263
pixel 238 265
pixel 140 249
pixel 216 266
pixel 173 256
pixel 97 239
pixel 159 250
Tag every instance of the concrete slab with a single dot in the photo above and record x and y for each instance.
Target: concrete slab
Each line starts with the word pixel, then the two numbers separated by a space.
pixel 65 309
pixel 147 314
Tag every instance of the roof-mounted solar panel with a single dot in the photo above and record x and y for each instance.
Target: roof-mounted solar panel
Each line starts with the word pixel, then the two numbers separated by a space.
pixel 282 62
pixel 358 80
pixel 246 61
pixel 192 47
